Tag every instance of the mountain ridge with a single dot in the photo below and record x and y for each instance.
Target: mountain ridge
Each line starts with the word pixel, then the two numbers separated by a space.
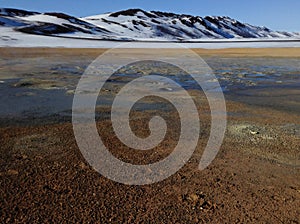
pixel 136 24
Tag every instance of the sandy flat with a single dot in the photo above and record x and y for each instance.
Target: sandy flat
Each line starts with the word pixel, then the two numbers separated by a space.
pixel 229 52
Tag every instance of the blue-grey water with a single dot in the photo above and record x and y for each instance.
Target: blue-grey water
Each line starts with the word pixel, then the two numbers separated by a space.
pixel 42 87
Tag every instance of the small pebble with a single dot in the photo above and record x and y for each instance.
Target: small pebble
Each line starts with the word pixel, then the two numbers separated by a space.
pixel 254 132
pixel 12 172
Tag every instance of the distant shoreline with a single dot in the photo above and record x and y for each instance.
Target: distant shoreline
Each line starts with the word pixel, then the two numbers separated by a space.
pixel 94 52
pixel 191 41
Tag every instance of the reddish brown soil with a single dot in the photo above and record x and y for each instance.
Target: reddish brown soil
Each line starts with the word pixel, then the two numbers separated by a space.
pixel 45 179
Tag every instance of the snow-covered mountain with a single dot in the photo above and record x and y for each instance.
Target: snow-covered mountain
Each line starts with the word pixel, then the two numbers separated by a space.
pixel 135 24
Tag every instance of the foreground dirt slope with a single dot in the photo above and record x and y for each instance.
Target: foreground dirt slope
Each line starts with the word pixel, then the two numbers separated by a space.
pixel 45 179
